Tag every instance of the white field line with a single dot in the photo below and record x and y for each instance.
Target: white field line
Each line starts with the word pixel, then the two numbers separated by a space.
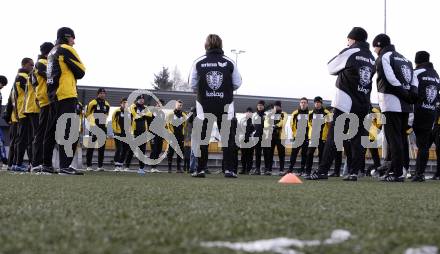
pixel 280 245
pixel 422 250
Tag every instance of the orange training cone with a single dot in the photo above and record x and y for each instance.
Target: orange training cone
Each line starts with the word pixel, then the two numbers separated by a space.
pixel 290 178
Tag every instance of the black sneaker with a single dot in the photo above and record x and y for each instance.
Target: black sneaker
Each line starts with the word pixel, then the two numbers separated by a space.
pixel 230 174
pixel 306 176
pixel 382 169
pixel 70 171
pixel 200 174
pixel 282 173
pixel 48 170
pixel 334 175
pixel 392 178
pixel 267 173
pixel 435 177
pixel 418 178
pixel 351 178
pixel 242 172
pixel 256 172
pixel 36 169
pixel 316 176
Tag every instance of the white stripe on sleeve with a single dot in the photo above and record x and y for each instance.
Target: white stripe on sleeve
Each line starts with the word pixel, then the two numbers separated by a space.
pixel 388 70
pixel 339 62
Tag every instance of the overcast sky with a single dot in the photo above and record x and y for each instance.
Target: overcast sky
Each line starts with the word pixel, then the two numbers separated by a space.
pixel 287 43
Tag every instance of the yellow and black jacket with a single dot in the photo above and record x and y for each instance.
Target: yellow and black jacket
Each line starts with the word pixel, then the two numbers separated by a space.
pixel 39 81
pixel 278 124
pixel 319 113
pixel 294 121
pixel 64 67
pixel 31 105
pixel 178 131
pixel 10 112
pixel 97 106
pixel 21 82
pixel 118 122
pixel 372 133
pixel 139 115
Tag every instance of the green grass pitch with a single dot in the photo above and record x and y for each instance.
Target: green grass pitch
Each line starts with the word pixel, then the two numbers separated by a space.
pixel 174 213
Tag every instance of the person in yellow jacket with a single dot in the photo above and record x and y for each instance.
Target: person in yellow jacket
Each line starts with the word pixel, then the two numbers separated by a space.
pixel 21 82
pixel 279 118
pixel 97 105
pixel 37 105
pixel 64 68
pixel 318 112
pixel 302 111
pixel 139 114
pixel 122 148
pixel 176 117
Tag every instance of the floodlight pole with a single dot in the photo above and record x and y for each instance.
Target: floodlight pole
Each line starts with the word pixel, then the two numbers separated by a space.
pixel 385 17
pixel 237 52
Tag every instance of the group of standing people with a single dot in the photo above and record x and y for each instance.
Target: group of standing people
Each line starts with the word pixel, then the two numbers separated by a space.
pixel 402 89
pixel 40 95
pixel 44 92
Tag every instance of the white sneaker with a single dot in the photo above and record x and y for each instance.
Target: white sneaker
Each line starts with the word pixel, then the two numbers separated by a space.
pixel 89 169
pixel 404 172
pixel 154 170
pixel 141 171
pixel 4 167
pixel 100 169
pixel 126 169
pixel 117 169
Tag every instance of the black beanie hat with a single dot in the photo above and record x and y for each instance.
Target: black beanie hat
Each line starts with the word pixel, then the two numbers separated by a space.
pixel 381 41
pixel 277 103
pixel 261 102
pixel 3 80
pixel 358 34
pixel 101 90
pixel 46 47
pixel 422 57
pixel 317 99
pixel 65 32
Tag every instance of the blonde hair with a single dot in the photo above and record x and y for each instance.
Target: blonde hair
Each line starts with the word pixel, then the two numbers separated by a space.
pixel 213 41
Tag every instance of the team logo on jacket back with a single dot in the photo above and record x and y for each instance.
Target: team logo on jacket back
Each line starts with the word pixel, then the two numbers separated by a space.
pixel 431 93
pixel 365 76
pixel 365 73
pixel 407 75
pixel 214 79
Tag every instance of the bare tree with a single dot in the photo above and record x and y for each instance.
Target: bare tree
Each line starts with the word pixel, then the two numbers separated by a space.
pixel 178 83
